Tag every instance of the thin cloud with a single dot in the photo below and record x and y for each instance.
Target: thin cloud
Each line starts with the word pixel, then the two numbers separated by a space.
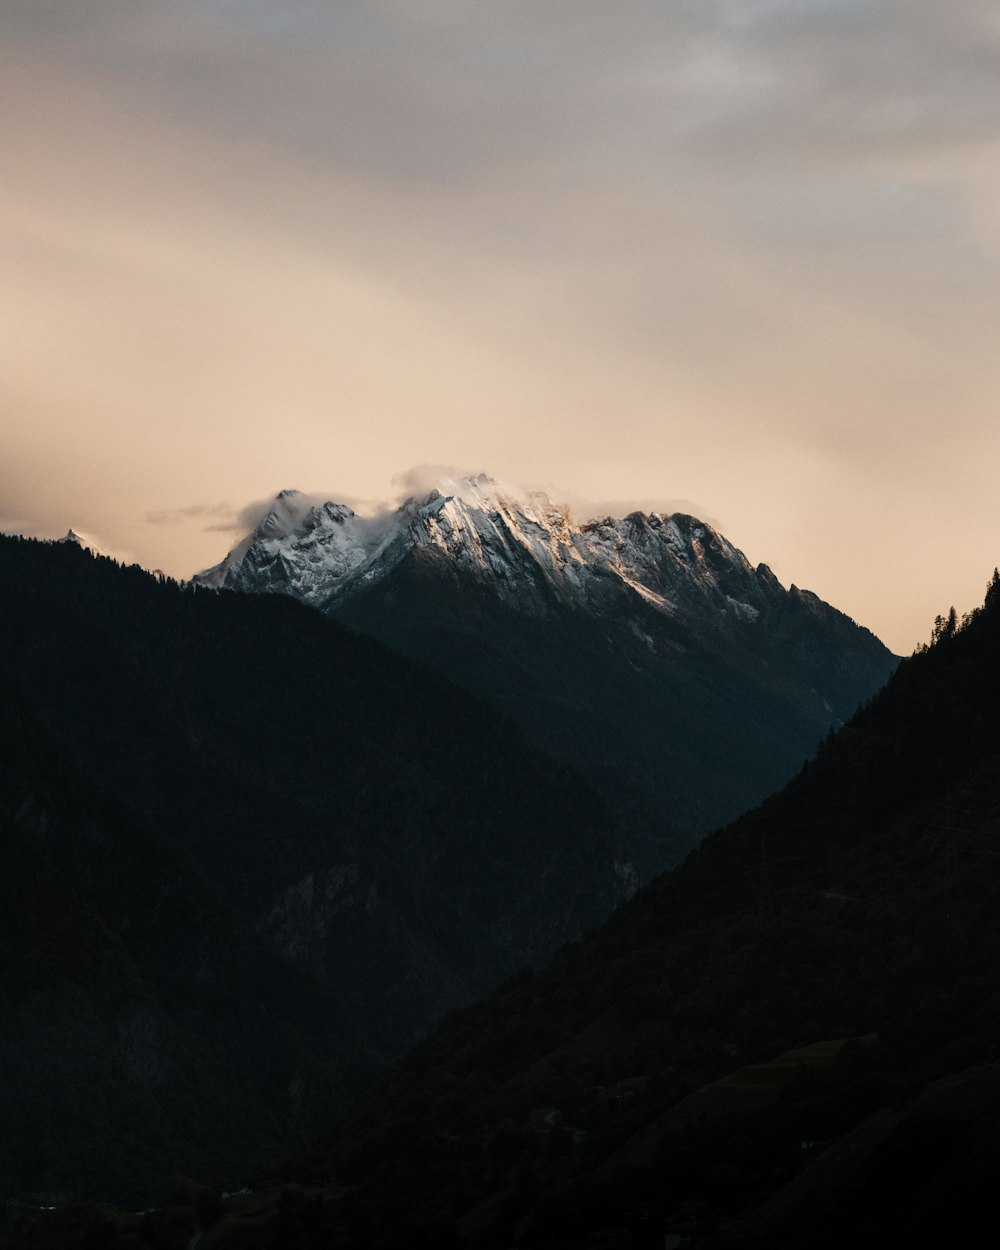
pixel 17 525
pixel 590 510
pixel 419 481
pixel 422 479
pixel 221 515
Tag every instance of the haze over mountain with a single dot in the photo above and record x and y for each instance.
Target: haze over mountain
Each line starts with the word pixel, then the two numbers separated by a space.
pixel 745 251
pixel 646 649
pixel 246 858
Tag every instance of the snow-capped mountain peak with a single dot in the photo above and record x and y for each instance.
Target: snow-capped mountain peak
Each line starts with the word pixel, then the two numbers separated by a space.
pixel 644 648
pixel 84 541
pixel 526 548
pixel 286 513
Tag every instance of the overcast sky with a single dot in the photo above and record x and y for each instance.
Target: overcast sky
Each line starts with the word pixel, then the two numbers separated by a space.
pixel 740 253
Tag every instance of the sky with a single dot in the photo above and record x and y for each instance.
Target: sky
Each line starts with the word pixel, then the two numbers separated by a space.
pixel 737 256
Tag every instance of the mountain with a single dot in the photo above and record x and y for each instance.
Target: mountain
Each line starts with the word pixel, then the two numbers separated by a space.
pixel 84 541
pixel 791 1040
pixel 647 651
pixel 246 858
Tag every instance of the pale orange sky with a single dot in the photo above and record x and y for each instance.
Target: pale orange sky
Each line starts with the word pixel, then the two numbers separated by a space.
pixel 744 253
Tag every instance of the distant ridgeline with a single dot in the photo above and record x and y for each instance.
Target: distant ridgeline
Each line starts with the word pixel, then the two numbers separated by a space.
pixel 792 1040
pixel 246 858
pixel 647 651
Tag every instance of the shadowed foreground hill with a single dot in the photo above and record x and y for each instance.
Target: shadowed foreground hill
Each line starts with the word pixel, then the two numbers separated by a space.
pixel 789 1041
pixel 246 858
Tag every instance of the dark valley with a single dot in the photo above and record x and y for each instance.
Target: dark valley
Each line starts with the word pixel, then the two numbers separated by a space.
pixel 253 856
pixel 791 1040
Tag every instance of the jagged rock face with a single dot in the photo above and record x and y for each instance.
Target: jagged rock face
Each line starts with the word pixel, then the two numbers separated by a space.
pixel 647 648
pixel 525 548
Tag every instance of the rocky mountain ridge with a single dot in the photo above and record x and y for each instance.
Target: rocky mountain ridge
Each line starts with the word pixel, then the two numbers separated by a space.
pixel 520 543
pixel 646 650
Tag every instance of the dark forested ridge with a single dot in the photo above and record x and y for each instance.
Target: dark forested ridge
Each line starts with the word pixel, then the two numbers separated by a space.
pixel 246 857
pixel 790 1041
pixel 680 724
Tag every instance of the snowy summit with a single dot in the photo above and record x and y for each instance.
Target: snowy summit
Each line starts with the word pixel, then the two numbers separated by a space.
pixel 521 544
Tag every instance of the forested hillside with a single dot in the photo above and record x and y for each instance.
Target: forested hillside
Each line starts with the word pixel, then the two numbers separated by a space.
pixel 247 858
pixel 789 1041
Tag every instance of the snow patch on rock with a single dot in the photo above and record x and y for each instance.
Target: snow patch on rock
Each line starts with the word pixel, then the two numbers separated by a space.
pixel 521 544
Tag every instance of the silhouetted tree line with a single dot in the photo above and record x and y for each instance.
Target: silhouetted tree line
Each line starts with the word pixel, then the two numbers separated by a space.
pixel 246 857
